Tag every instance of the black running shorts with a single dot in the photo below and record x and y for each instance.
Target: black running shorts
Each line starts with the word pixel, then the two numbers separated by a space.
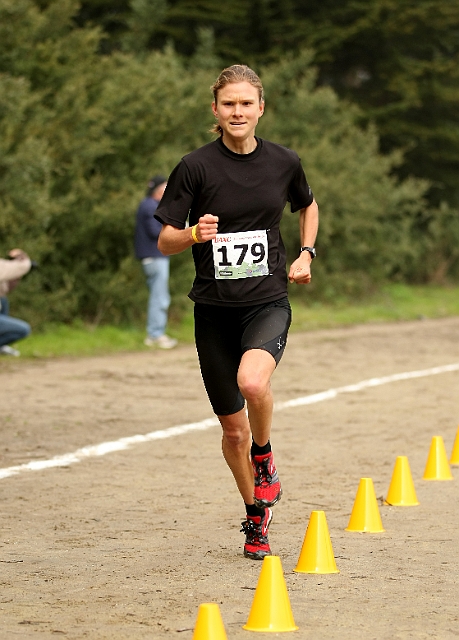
pixel 223 334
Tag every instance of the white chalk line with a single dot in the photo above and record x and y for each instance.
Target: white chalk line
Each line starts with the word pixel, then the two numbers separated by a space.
pixel 122 444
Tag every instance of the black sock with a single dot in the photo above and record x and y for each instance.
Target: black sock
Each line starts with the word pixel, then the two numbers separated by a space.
pixel 253 510
pixel 260 451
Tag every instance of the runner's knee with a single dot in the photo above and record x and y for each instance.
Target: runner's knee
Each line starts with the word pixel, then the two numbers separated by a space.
pixel 254 375
pixel 235 432
pixel 253 388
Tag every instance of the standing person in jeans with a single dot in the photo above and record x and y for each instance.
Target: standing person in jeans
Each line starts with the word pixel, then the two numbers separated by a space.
pixel 233 192
pixel 155 265
pixel 12 329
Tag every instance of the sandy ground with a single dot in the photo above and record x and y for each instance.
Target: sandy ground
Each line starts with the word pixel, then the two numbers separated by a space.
pixel 128 544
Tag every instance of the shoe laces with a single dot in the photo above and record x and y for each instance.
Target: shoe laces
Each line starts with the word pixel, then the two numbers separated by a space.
pixel 263 476
pixel 253 532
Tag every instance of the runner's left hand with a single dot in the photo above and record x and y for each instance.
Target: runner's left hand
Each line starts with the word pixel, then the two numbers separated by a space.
pixel 300 271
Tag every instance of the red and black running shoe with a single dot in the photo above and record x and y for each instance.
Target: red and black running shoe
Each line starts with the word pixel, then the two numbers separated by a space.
pixel 267 489
pixel 256 535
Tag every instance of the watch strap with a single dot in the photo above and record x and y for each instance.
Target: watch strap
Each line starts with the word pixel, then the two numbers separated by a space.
pixel 310 250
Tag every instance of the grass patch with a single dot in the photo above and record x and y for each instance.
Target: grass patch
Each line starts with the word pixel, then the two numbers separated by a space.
pixel 393 303
pixel 80 340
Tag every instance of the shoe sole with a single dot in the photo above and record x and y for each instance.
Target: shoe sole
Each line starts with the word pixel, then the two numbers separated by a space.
pixel 256 556
pixel 264 503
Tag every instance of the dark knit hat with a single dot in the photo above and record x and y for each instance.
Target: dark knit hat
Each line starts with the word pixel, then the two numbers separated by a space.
pixel 155 182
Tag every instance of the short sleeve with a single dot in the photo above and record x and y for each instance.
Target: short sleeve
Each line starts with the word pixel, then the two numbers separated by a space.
pixel 299 192
pixel 176 202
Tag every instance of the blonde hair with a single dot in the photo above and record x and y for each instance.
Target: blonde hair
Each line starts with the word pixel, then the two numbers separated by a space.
pixel 235 73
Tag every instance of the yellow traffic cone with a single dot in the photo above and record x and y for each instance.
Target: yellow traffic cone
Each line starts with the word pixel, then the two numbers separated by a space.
pixel 401 489
pixel 271 605
pixel 437 467
pixel 316 554
pixel 365 513
pixel 209 623
pixel 455 454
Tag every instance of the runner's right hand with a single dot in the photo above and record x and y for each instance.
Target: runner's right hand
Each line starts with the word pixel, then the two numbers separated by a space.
pixel 207 227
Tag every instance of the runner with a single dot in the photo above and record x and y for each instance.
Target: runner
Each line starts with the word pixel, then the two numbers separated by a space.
pixel 233 192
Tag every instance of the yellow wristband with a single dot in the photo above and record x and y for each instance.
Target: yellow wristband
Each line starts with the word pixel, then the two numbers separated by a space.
pixel 193 233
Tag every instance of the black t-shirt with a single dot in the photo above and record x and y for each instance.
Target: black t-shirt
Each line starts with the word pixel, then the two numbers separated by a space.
pixel 248 192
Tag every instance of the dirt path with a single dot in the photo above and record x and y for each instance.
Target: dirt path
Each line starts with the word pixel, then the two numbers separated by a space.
pixel 127 545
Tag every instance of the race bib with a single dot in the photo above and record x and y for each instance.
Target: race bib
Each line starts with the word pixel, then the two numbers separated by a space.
pixel 240 255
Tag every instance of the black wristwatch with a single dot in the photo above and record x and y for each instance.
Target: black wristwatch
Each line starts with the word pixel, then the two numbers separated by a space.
pixel 310 250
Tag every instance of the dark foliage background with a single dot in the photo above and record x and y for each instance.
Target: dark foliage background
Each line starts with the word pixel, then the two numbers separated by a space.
pixel 95 97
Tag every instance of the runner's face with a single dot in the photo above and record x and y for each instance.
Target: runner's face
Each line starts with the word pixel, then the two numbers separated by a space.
pixel 238 109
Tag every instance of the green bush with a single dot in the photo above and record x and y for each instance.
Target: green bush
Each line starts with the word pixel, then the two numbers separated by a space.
pixel 80 134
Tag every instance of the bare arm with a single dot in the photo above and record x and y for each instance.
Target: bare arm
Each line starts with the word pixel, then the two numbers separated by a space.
pixel 172 240
pixel 12 270
pixel 300 270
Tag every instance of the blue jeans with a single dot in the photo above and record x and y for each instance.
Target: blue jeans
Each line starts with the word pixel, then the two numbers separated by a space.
pixel 11 329
pixel 157 274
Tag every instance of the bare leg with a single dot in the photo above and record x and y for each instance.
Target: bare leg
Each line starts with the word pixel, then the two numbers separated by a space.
pixel 254 377
pixel 236 444
pixel 254 380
